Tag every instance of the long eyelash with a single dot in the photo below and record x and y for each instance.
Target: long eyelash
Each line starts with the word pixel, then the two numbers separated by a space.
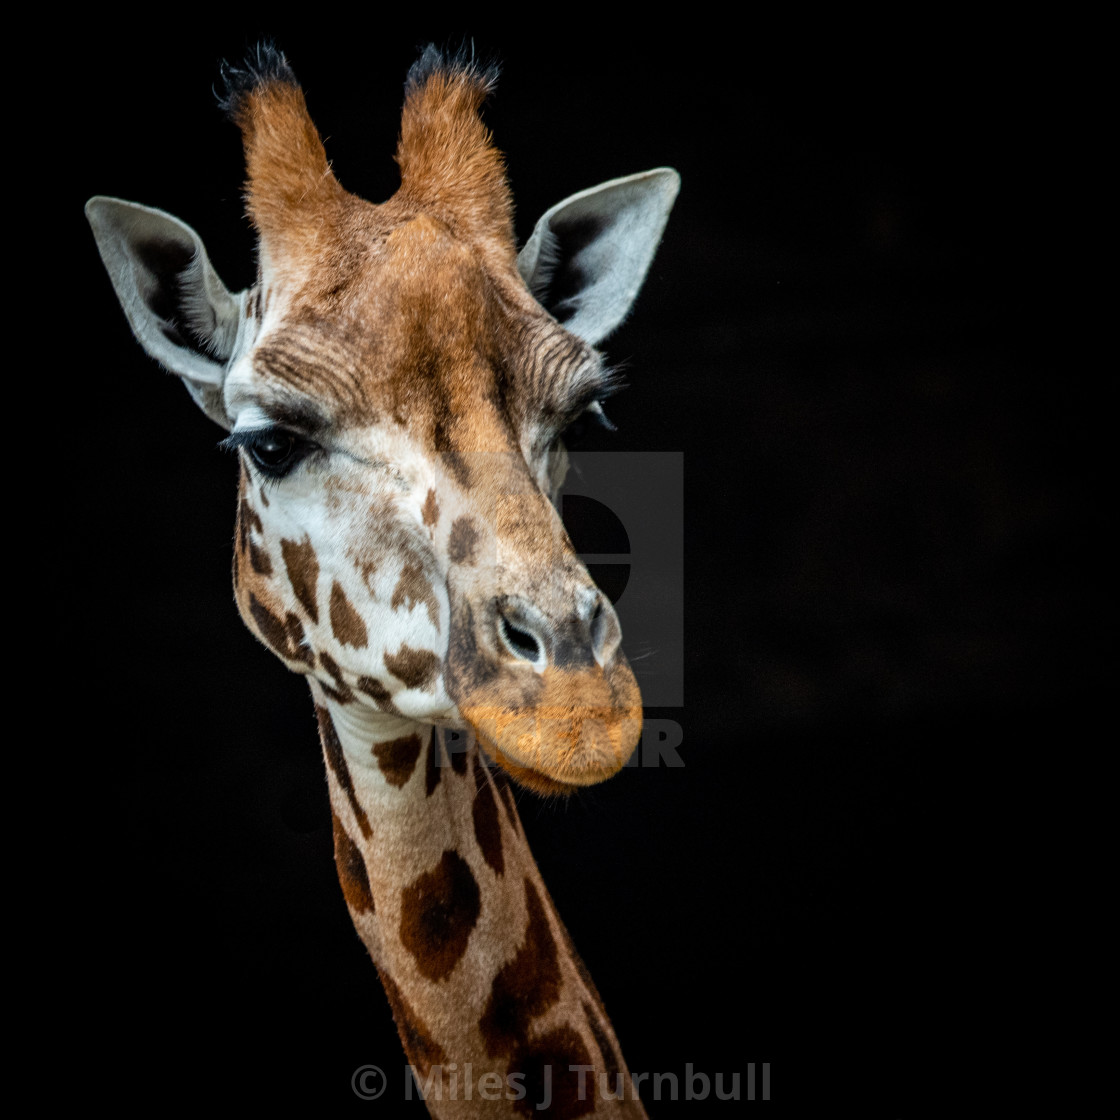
pixel 236 440
pixel 607 383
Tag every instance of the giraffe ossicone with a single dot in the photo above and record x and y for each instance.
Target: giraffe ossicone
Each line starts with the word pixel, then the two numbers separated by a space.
pixel 396 384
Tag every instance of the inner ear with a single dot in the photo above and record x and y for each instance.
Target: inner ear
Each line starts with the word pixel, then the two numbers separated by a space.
pixel 561 274
pixel 174 292
pixel 588 255
pixel 178 307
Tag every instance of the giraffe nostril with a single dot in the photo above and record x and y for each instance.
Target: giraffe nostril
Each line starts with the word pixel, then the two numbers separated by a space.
pixel 604 631
pixel 520 642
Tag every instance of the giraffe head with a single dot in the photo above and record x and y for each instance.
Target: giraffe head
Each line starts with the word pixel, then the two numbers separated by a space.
pixel 396 384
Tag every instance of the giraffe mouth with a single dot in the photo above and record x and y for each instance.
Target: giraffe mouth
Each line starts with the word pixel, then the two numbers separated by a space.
pixel 524 775
pixel 557 750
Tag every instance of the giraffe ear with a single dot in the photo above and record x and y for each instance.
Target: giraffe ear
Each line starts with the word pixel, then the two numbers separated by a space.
pixel 178 307
pixel 588 255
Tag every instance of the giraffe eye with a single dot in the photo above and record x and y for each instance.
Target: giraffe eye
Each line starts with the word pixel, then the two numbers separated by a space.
pixel 275 451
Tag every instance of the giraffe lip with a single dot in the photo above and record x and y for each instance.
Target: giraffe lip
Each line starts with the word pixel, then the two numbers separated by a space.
pixel 526 775
pixel 556 749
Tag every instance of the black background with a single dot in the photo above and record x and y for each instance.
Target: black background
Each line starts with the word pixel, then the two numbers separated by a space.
pixel 850 331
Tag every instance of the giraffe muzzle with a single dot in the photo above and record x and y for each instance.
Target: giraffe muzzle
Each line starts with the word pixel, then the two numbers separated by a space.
pixel 556 703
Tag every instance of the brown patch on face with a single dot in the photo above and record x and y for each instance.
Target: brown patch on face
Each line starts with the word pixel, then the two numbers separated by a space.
pixel 284 637
pixel 346 623
pixel 451 458
pixel 430 509
pixel 352 873
pixel 462 548
pixel 418 668
pixel 525 987
pixel 259 559
pixel 413 588
pixel 372 687
pixel 484 814
pixel 249 518
pixel 367 570
pixel 423 1051
pixel 341 690
pixel 438 912
pixel 397 758
pixel 303 574
pixel 548 1066
pixel 263 497
pixel 433 771
pixel 336 760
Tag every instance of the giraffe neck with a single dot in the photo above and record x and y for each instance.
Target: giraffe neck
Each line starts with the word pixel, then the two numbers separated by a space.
pixel 492 1003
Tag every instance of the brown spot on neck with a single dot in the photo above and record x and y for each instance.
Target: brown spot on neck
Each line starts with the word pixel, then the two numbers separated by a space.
pixel 502 782
pixel 336 760
pixel 548 1069
pixel 612 1060
pixel 303 574
pixel 438 912
pixel 458 750
pixel 397 758
pixel 346 623
pixel 484 815
pixel 433 771
pixel 525 987
pixel 352 872
pixel 423 1051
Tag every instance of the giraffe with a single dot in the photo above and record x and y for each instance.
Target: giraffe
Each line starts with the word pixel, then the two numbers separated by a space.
pixel 396 385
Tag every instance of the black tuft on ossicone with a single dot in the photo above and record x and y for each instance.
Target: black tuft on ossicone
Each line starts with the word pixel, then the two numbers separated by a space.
pixel 463 61
pixel 264 63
